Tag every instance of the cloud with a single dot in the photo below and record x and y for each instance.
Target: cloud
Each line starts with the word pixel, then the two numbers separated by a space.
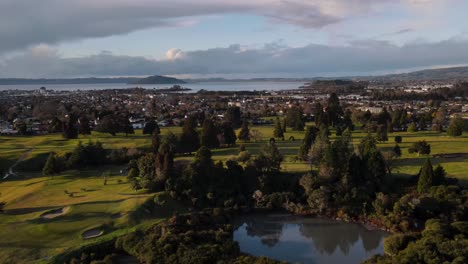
pixel 359 57
pixel 24 23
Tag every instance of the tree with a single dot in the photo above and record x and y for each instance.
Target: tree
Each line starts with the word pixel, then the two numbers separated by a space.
pixel 309 139
pixel 439 175
pixel 398 139
pixel 233 115
pixel 244 133
pixel 397 150
pixel 228 133
pixel 83 126
pixel 412 127
pixel 334 110
pixel 278 131
pixel 151 127
pixel 50 167
pixel 70 130
pixel 155 142
pixel 426 177
pixel 294 118
pixel 420 147
pixel 108 124
pixel 189 140
pixel 209 134
pixel 456 126
pixel 268 164
pixel 382 133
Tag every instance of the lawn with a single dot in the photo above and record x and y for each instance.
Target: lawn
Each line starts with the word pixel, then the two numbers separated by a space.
pixel 26 236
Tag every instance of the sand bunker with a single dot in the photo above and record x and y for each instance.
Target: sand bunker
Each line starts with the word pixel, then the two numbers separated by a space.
pixel 92 233
pixel 55 213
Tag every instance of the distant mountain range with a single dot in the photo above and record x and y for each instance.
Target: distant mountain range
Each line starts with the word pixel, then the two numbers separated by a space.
pixel 157 79
pixel 453 73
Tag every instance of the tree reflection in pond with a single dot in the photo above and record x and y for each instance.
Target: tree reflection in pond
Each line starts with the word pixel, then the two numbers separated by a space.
pixel 306 240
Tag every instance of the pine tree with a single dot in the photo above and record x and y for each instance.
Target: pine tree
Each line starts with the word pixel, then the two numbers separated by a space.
pixel 209 134
pixel 309 139
pixel 244 133
pixel 151 127
pixel 189 139
pixel 278 131
pixel 84 128
pixel 439 175
pixel 426 177
pixel 397 150
pixel 228 133
pixel 50 165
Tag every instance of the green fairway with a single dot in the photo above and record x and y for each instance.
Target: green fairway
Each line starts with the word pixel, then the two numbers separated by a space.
pixel 26 235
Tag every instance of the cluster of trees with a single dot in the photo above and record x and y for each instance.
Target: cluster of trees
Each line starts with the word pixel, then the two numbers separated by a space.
pixel 91 154
pixel 344 179
pixel 196 238
pixel 212 135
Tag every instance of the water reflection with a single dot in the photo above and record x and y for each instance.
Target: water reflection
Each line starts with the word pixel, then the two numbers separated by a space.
pixel 306 240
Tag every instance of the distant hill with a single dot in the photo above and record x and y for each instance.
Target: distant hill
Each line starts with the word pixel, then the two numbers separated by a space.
pixel 453 73
pixel 157 79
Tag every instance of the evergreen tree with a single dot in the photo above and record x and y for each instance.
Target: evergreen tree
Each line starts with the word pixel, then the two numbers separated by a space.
pixel 50 165
pixel 420 147
pixel 278 131
pixel 347 120
pixel 382 133
pixel 309 139
pixel 334 110
pixel 228 133
pixel 108 124
pixel 439 175
pixel 426 177
pixel 294 118
pixel 70 130
pixel 244 133
pixel 83 127
pixel 397 150
pixel 189 139
pixel 233 115
pixel 151 127
pixel 209 134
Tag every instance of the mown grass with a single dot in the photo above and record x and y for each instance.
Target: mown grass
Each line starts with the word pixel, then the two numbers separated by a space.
pixel 25 236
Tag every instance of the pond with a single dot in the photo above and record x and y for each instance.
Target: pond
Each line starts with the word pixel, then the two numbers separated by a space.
pixel 298 239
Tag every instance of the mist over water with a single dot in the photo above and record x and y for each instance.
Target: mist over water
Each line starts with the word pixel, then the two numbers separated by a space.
pixel 299 239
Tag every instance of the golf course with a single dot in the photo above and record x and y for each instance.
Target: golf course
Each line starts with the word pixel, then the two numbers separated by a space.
pixel 44 216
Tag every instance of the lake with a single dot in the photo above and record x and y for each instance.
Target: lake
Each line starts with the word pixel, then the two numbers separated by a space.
pixel 298 239
pixel 209 86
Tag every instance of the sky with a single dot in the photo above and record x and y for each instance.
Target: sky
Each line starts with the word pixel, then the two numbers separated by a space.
pixel 232 39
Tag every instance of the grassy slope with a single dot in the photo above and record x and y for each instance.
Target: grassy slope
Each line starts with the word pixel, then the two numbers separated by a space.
pixel 26 236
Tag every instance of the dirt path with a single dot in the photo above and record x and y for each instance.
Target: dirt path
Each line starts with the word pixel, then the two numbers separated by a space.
pixel 11 171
